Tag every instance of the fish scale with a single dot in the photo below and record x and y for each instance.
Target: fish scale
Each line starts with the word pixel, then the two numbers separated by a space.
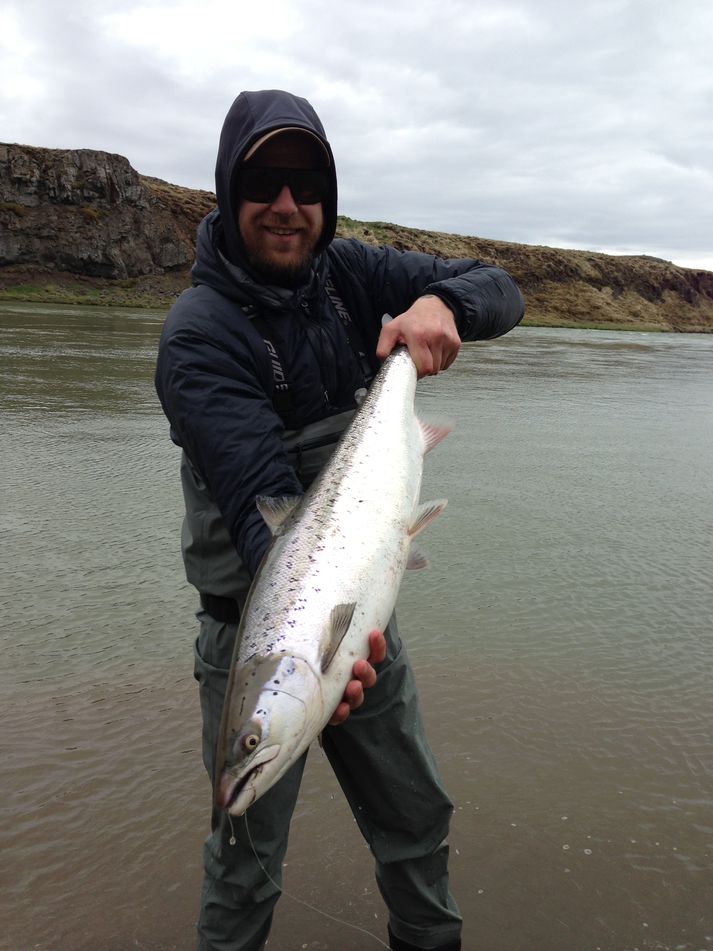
pixel 330 576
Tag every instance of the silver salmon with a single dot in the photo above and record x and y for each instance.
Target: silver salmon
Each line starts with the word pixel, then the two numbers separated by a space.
pixel 330 576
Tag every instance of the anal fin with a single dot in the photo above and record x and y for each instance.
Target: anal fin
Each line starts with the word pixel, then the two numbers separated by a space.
pixel 433 433
pixel 416 559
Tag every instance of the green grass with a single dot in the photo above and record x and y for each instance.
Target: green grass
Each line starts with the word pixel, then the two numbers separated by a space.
pixel 100 297
pixel 592 325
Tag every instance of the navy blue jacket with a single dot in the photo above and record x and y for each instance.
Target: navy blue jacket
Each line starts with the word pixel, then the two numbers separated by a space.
pixel 214 376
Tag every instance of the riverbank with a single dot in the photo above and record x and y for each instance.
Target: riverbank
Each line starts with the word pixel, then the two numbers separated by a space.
pixel 152 292
pixel 158 292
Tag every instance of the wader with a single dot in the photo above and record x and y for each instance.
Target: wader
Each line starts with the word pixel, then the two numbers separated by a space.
pixel 385 767
pixel 380 757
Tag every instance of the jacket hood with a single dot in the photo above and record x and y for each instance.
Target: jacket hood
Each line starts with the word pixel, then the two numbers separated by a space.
pixel 252 115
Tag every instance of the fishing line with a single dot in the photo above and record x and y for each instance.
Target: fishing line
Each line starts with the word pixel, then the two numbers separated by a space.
pixel 300 901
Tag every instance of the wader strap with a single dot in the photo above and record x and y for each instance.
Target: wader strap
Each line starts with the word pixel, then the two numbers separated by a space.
pixel 355 339
pixel 281 398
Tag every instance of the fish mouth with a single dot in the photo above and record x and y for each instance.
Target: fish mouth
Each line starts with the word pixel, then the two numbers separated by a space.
pixel 230 789
pixel 238 787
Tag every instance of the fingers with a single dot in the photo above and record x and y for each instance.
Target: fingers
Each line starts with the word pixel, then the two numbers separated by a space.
pixel 377 647
pixel 389 337
pixel 353 693
pixel 340 714
pixel 429 331
pixel 418 338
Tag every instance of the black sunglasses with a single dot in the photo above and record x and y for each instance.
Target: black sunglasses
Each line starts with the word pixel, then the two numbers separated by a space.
pixel 262 185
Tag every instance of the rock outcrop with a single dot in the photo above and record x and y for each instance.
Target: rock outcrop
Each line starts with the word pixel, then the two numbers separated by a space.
pixel 87 212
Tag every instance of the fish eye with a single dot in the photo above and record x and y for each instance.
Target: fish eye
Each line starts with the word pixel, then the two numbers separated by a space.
pixel 251 742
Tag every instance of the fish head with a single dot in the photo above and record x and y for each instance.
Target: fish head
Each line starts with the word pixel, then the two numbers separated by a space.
pixel 266 717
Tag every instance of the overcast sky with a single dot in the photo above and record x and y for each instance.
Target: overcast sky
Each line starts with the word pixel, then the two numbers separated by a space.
pixel 571 123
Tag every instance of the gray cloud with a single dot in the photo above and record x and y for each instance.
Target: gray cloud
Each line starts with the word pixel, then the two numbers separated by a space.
pixel 543 122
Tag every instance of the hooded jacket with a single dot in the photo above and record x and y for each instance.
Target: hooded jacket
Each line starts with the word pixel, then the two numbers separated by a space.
pixel 215 377
pixel 253 115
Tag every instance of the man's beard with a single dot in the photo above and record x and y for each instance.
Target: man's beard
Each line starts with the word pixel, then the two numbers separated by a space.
pixel 290 275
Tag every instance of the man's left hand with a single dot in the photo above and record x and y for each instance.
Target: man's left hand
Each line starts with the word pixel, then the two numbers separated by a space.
pixel 428 329
pixel 364 677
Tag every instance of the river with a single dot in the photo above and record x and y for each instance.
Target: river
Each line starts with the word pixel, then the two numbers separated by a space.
pixel 562 639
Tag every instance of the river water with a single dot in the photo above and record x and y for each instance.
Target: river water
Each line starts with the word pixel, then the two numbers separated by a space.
pixel 562 639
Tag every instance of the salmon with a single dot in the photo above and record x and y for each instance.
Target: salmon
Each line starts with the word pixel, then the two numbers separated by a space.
pixel 330 576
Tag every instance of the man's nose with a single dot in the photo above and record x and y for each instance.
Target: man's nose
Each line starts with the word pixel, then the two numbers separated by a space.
pixel 285 202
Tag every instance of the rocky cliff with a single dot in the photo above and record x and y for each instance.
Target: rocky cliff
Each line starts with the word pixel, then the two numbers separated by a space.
pixel 85 219
pixel 90 213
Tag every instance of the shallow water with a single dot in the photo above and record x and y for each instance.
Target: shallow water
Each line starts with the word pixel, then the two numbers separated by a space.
pixel 562 638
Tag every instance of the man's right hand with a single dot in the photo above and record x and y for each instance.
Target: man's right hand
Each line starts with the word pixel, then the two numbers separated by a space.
pixel 428 329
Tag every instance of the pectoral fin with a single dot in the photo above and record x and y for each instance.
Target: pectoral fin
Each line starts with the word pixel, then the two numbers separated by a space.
pixel 276 511
pixel 425 513
pixel 339 621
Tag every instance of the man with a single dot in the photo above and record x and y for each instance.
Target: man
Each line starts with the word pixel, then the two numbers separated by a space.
pixel 261 365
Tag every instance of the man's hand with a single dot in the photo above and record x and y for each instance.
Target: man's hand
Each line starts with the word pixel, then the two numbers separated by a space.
pixel 428 329
pixel 364 677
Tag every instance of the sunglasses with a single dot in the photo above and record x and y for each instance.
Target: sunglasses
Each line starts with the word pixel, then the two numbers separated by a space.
pixel 262 185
